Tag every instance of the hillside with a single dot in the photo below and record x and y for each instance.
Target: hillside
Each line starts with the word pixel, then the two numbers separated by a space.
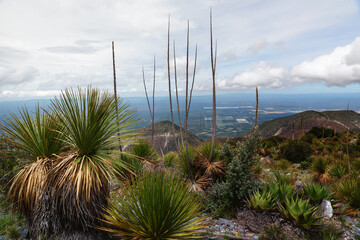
pixel 163 138
pixel 330 119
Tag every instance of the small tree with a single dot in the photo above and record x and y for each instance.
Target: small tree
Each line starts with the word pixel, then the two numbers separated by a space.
pixel 239 179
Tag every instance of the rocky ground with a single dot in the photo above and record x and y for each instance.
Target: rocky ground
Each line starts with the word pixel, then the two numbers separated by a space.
pixel 249 225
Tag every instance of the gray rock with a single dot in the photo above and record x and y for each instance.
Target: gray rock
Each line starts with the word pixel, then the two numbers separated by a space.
pixel 326 209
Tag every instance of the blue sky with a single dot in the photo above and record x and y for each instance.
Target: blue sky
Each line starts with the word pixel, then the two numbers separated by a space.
pixel 280 46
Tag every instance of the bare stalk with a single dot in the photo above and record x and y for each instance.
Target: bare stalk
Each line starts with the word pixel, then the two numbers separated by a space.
pixel 213 68
pixel 170 96
pixel 153 105
pixel 148 102
pixel 347 137
pixel 187 77
pixel 115 92
pixel 257 106
pixel 177 97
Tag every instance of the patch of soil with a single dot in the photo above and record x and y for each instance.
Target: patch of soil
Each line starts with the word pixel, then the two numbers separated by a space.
pixel 258 222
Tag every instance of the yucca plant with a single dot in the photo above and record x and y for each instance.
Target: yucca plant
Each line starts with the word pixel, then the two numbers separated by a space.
pixel 92 130
pixel 37 134
pixel 338 170
pixel 299 211
pixel 188 155
pixel 144 151
pixel 133 167
pixel 211 165
pixel 262 200
pixel 316 193
pixel 348 190
pixel 320 168
pixel 157 205
pixel 170 159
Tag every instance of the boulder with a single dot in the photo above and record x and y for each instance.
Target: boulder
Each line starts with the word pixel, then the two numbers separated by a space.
pixel 326 209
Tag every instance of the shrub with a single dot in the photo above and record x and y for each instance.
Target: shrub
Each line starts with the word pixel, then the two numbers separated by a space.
pixel 321 132
pixel 214 166
pixel 348 190
pixel 169 159
pixel 320 168
pixel 238 180
pixel 295 150
pixel 156 206
pixel 338 170
pixel 282 164
pixel 144 150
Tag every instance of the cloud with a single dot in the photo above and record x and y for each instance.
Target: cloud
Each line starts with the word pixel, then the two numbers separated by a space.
pixel 9 94
pixel 13 76
pixel 80 47
pixel 263 75
pixel 258 45
pixel 339 68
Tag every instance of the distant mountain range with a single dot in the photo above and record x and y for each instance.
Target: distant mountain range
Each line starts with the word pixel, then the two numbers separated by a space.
pixel 338 120
pixel 164 140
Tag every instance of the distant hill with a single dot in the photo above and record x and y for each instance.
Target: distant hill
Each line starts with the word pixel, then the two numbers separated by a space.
pixel 163 137
pixel 330 119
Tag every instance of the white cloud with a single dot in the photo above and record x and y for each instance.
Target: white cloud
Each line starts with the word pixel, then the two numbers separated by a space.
pixel 259 45
pixel 51 45
pixel 263 75
pixel 339 68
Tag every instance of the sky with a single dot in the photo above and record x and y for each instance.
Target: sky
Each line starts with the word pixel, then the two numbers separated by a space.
pixel 279 46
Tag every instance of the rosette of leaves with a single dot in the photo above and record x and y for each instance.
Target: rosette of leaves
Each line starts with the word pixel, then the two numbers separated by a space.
pixel 156 205
pixel 316 193
pixel 299 211
pixel 262 200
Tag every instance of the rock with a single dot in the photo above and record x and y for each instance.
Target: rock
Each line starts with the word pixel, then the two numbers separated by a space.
pixel 295 165
pixel 266 159
pixel 299 186
pixel 266 170
pixel 326 209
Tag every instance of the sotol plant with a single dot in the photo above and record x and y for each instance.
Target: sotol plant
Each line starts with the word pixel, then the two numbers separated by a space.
pixel 157 205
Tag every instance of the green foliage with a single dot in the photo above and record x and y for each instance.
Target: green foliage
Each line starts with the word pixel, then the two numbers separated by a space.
pixel 9 224
pixel 38 134
pixel 338 170
pixel 283 178
pixel 348 191
pixel 133 166
pixel 211 167
pixel 280 191
pixel 316 193
pixel 144 150
pixel 188 153
pixel 273 141
pixel 299 211
pixel 156 206
pixel 321 132
pixel 273 233
pixel 238 181
pixel 305 164
pixel 308 137
pixel 170 159
pixel 320 166
pixel 262 201
pixel 295 150
pixel 282 164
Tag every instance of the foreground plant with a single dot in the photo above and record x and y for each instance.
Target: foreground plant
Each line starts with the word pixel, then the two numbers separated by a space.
pixel 211 165
pixel 316 193
pixel 157 205
pixel 92 130
pixel 320 167
pixel 299 211
pixel 348 190
pixel 37 135
pixel 262 200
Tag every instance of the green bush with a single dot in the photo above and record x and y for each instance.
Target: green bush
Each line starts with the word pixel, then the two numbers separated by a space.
pixel 321 132
pixel 348 191
pixel 262 200
pixel 296 151
pixel 157 205
pixel 238 181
